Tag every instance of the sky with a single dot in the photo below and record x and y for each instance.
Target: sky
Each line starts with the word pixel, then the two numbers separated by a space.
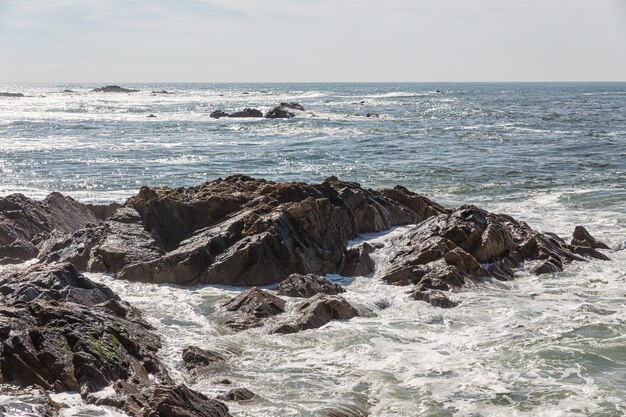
pixel 312 40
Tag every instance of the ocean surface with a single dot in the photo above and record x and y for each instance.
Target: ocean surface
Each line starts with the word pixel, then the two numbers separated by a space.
pixel 553 155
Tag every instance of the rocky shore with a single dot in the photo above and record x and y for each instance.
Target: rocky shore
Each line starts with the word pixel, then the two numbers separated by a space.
pixel 60 331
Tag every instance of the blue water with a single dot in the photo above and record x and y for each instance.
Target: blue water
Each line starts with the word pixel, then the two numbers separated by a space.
pixel 553 155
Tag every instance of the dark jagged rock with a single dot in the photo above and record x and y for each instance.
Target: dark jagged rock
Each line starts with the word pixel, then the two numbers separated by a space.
pixel 247 112
pixel 244 231
pixel 256 302
pixel 161 92
pixel 292 105
pixel 376 115
pixel 582 237
pixel 180 401
pixel 63 332
pixel 357 261
pixel 316 312
pixel 25 224
pixel 74 248
pixel 11 95
pixel 237 395
pixel 113 89
pixel 151 116
pixel 194 357
pixel 279 112
pixel 219 113
pixel 459 248
pixel 305 286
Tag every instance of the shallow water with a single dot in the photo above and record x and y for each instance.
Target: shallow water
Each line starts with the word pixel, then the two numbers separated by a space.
pixel 553 155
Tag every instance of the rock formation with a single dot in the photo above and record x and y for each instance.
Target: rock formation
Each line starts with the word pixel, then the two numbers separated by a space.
pixel 304 286
pixel 113 89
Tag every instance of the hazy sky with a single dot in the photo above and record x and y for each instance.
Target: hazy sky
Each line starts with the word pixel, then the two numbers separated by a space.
pixel 311 40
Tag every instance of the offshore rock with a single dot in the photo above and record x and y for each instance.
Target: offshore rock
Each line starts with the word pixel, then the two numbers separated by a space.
pixel 11 95
pixel 247 112
pixel 292 105
pixel 218 113
pixel 279 112
pixel 180 401
pixel 243 231
pixel 318 311
pixel 305 286
pixel 26 224
pixel 582 237
pixel 113 89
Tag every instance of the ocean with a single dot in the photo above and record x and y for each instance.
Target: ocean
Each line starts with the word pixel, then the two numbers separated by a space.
pixel 551 154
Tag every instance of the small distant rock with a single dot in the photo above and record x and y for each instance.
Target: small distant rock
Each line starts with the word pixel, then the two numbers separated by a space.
pixel 279 112
pixel 237 395
pixel 245 93
pixel 298 285
pixel 161 92
pixel 68 91
pixel 113 89
pixel 372 115
pixel 151 115
pixel 440 91
pixel 219 113
pixel 292 105
pixel 247 112
pixel 11 95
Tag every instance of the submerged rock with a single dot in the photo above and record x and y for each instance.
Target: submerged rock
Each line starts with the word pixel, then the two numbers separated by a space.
pixel 247 112
pixel 318 311
pixel 113 89
pixel 305 286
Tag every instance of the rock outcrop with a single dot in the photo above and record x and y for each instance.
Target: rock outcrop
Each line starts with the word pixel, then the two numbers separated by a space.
pixel 251 307
pixel 241 231
pixel 63 332
pixel 279 112
pixel 113 89
pixel 581 237
pixel 237 395
pixel 305 286
pixel 292 105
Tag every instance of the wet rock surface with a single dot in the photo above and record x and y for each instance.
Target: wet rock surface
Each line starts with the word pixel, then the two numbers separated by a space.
pixel 318 311
pixel 247 112
pixel 581 237
pixel 195 357
pixel 244 231
pixel 237 395
pixel 279 112
pixel 305 286
pixel 180 401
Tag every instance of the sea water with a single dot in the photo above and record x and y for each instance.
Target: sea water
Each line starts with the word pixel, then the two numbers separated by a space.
pixel 553 155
